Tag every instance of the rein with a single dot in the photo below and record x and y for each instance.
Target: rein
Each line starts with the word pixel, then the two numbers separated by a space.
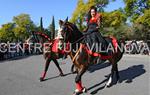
pixel 78 40
pixel 71 29
pixel 82 37
pixel 73 59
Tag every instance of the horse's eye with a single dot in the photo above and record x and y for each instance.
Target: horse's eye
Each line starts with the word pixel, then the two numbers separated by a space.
pixel 64 28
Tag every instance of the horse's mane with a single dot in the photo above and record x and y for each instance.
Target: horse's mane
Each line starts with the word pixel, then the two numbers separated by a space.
pixel 77 34
pixel 74 27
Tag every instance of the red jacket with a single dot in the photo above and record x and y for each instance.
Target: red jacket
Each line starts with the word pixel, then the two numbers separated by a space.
pixel 96 19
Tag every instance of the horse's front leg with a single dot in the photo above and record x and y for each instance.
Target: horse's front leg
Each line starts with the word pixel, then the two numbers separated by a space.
pixel 46 69
pixel 74 69
pixel 79 88
pixel 57 65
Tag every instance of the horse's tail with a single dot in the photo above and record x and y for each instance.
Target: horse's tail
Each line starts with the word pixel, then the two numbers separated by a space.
pixel 119 50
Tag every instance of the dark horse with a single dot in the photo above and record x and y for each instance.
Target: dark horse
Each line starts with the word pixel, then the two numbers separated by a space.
pixel 39 37
pixel 82 58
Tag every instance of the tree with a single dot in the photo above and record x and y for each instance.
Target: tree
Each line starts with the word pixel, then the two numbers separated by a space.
pixel 78 14
pixel 52 28
pixel 3 36
pixel 23 24
pixel 113 19
pixel 139 13
pixel 40 28
pixel 7 32
pixel 41 25
pixel 136 8
pixel 113 24
pixel 144 19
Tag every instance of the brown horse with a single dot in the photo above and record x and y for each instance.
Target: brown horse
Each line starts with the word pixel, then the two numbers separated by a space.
pixel 83 58
pixel 39 37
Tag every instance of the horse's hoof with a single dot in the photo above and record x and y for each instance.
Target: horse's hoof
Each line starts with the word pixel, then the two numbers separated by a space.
pixel 61 74
pixel 77 92
pixel 108 86
pixel 41 79
pixel 74 72
pixel 84 90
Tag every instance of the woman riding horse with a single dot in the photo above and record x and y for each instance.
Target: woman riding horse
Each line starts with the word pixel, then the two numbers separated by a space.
pixel 92 34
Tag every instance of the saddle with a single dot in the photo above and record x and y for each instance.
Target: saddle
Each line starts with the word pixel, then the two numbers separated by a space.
pixel 112 40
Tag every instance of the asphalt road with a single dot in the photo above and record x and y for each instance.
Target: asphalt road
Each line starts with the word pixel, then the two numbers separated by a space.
pixel 21 77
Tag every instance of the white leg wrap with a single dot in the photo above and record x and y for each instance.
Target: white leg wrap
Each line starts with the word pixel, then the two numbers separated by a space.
pixel 109 81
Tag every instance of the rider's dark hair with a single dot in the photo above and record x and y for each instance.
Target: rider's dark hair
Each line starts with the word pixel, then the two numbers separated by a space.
pixel 89 12
pixel 93 7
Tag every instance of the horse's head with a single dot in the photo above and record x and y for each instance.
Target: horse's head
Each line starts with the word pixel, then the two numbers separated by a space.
pixel 69 31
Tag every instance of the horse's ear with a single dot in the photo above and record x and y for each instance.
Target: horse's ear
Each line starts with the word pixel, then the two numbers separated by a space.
pixel 66 19
pixel 61 22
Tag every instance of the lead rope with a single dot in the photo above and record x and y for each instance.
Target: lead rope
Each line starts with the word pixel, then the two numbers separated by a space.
pixel 73 59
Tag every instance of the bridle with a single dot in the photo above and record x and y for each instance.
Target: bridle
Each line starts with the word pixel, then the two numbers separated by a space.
pixel 70 30
pixel 67 29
